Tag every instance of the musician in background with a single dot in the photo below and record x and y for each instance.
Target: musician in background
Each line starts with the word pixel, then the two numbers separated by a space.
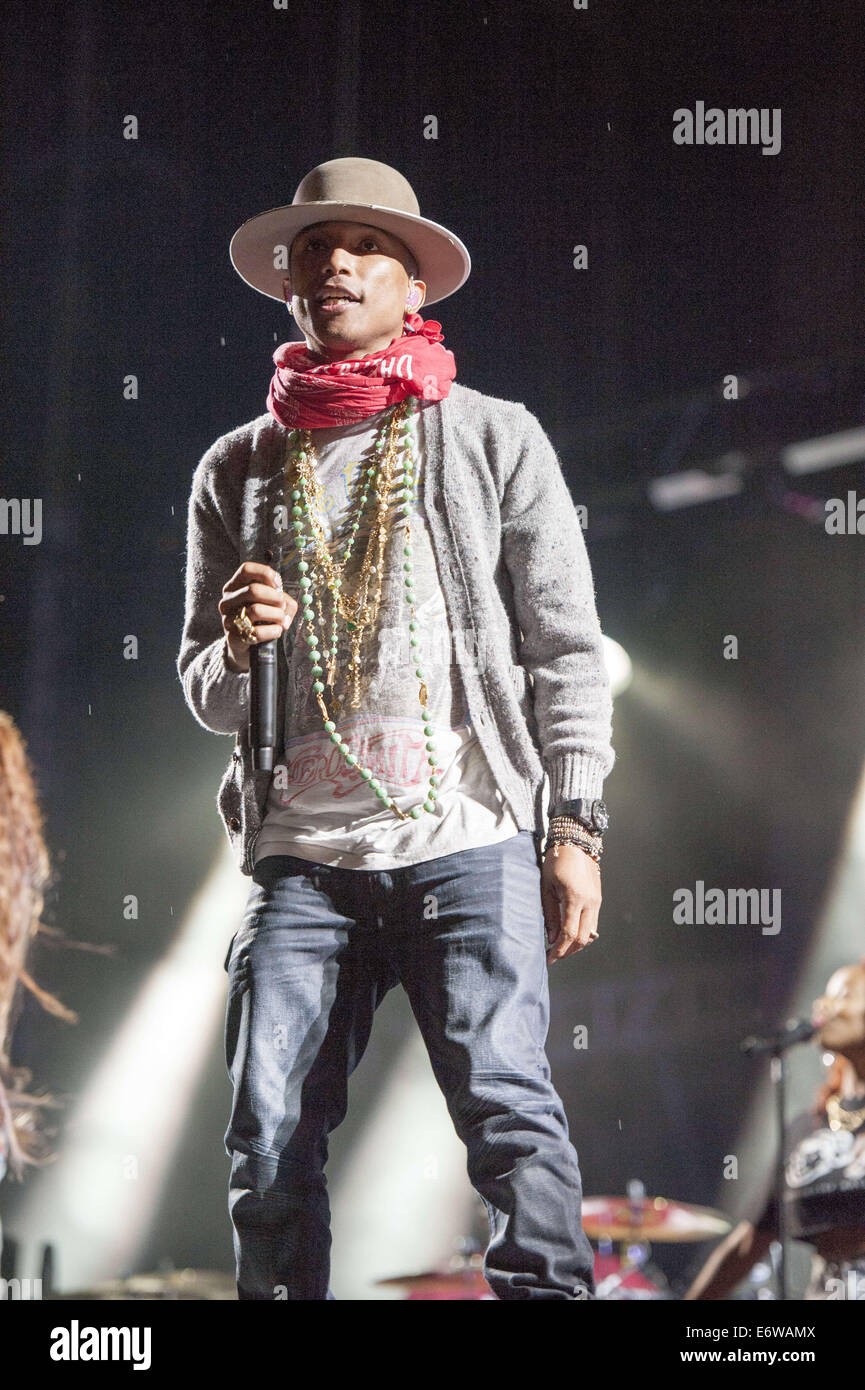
pixel 24 874
pixel 825 1167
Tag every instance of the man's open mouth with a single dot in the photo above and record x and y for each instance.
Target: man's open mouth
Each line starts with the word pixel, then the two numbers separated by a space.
pixel 334 303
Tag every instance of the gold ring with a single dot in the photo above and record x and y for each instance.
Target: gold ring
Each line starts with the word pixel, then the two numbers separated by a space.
pixel 245 626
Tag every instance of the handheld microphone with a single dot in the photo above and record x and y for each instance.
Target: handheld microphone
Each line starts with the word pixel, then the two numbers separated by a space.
pixel 798 1030
pixel 262 705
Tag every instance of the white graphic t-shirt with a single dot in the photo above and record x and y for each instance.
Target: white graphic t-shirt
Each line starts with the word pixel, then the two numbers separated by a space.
pixel 326 811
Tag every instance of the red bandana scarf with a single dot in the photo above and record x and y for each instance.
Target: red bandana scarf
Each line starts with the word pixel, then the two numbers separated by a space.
pixel 305 394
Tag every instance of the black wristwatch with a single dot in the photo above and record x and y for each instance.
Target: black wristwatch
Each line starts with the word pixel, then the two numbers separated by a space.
pixel 592 814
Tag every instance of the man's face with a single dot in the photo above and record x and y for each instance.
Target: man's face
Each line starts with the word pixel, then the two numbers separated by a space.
pixel 365 263
pixel 840 1011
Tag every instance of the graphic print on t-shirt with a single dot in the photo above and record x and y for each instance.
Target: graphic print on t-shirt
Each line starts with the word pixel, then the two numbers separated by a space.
pixel 839 1153
pixel 824 1179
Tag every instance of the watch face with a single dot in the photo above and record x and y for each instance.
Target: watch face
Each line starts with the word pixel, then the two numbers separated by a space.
pixel 600 816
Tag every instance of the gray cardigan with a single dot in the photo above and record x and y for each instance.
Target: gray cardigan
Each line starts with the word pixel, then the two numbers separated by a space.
pixel 517 582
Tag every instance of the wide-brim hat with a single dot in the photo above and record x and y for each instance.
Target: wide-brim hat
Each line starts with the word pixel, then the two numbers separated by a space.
pixel 350 190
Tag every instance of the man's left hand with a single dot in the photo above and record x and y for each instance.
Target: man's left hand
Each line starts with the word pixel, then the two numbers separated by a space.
pixel 571 900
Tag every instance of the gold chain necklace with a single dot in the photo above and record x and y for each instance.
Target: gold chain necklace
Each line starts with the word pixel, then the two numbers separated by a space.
pixel 357 612
pixel 357 609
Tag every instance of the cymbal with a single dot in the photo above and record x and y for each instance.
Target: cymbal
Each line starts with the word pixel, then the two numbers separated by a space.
pixel 177 1284
pixel 650 1218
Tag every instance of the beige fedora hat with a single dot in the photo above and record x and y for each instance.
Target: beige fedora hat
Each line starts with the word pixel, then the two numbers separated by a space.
pixel 350 190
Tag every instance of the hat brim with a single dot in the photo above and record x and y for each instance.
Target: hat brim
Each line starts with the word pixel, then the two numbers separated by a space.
pixel 443 261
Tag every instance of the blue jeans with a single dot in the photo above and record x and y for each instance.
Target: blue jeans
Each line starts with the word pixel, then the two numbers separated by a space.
pixel 318 950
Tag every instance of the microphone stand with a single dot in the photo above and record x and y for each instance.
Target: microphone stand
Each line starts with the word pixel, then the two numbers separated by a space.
pixel 779 1081
pixel 776 1045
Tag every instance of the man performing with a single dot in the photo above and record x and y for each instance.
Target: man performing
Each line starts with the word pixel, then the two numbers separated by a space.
pixel 412 547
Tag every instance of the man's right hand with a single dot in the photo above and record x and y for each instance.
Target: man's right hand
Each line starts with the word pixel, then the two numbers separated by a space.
pixel 258 589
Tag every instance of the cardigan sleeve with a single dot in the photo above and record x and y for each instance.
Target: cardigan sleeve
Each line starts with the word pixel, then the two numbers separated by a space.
pixel 217 696
pixel 554 598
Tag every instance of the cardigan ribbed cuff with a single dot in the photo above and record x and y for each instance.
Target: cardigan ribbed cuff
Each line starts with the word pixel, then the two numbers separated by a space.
pixel 218 696
pixel 575 775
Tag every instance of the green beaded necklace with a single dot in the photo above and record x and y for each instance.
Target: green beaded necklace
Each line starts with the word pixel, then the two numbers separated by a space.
pixel 356 610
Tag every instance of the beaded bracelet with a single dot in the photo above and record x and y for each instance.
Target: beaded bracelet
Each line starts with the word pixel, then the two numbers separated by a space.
pixel 565 831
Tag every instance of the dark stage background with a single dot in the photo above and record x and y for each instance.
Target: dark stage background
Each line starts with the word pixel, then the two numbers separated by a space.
pixel 554 129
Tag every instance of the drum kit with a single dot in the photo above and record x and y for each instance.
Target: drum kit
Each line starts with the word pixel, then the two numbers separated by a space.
pixel 622 1230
